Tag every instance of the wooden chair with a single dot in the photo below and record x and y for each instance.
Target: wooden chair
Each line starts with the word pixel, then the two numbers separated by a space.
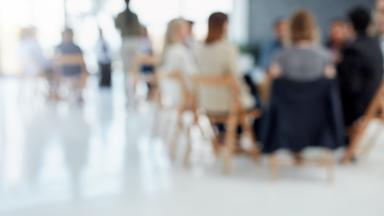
pixel 236 116
pixel 138 77
pixel 62 60
pixel 185 105
pixel 374 111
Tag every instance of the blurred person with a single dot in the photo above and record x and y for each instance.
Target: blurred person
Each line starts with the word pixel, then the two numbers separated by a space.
pixel 145 50
pixel 177 57
pixel 218 56
pixel 361 70
pixel 338 37
pixel 33 62
pixel 191 41
pixel 304 62
pixel 305 59
pixel 380 31
pixel 104 59
pixel 127 22
pixel 271 48
pixel 72 76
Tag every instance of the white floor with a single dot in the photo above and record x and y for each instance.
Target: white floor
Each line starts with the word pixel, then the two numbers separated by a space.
pixel 103 159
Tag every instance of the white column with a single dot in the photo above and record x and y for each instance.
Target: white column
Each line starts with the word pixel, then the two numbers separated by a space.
pixel 239 26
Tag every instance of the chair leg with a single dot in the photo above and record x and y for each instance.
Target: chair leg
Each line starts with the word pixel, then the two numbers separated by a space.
pixel 230 143
pixel 329 163
pixel 255 152
pixel 174 141
pixel 274 166
pixel 188 151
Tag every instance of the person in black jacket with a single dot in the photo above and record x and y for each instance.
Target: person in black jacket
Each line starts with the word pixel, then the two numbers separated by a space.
pixel 361 70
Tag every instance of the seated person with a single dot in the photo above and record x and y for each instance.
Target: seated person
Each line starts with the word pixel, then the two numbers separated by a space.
pixel 305 60
pixel 219 57
pixel 177 57
pixel 361 70
pixel 271 48
pixel 74 74
pixel 338 38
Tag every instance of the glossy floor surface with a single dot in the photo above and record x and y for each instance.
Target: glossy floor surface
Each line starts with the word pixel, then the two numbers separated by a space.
pixel 102 159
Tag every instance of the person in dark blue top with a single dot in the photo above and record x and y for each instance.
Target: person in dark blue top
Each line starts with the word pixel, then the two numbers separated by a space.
pixel 272 47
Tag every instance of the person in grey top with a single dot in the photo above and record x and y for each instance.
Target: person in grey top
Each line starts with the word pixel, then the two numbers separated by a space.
pixel 305 60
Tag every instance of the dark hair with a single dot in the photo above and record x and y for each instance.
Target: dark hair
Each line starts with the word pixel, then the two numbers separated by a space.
pixel 360 18
pixel 216 24
pixel 68 30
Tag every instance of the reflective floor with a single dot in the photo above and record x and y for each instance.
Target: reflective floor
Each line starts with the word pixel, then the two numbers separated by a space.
pixel 104 159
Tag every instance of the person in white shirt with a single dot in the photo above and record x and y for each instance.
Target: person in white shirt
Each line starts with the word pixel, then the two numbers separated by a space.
pixel 219 57
pixel 104 59
pixel 177 57
pixel 32 59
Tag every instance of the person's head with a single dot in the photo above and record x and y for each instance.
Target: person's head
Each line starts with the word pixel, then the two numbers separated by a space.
pixel 380 5
pixel 281 29
pixel 67 35
pixel 127 2
pixel 338 31
pixel 190 27
pixel 303 27
pixel 360 18
pixel 177 32
pixel 217 27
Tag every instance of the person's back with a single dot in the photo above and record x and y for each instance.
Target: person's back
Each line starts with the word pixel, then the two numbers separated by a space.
pixel 361 69
pixel 303 63
pixel 66 49
pixel 218 58
pixel 128 24
pixel 221 58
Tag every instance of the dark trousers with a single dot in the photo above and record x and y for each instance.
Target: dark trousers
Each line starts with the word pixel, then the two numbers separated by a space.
pixel 105 71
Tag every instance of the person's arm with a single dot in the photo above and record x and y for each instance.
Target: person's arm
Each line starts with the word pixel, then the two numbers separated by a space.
pixel 330 71
pixel 275 70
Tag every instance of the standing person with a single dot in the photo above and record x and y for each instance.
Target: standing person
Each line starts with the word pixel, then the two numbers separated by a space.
pixel 129 26
pixel 272 47
pixel 361 70
pixel 104 60
pixel 338 37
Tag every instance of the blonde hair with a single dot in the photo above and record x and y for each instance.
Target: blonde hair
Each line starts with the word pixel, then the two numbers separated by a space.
pixel 303 27
pixel 173 28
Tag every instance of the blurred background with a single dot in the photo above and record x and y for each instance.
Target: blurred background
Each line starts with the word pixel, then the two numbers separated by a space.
pixel 113 140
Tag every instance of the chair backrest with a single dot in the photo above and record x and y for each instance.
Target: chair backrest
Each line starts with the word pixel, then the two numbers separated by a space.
pixel 303 114
pixel 63 61
pixel 180 79
pixel 219 81
pixel 69 60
